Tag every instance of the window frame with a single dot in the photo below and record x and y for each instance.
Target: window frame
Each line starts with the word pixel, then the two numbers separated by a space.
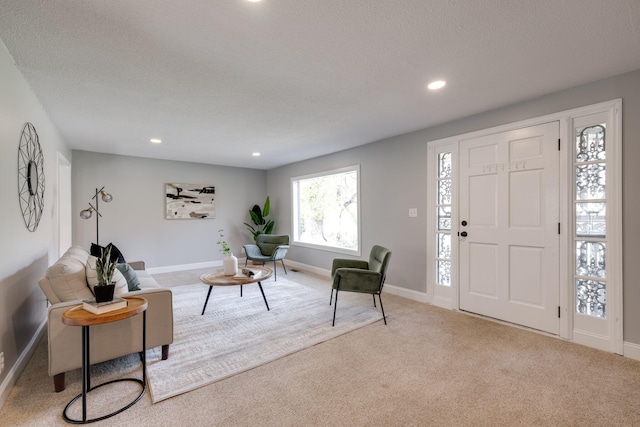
pixel 295 206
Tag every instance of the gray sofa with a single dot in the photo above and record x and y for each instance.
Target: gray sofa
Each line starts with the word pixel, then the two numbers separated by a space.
pixel 65 285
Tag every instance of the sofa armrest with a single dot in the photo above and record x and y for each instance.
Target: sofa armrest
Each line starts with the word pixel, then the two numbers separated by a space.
pixel 109 340
pixel 137 265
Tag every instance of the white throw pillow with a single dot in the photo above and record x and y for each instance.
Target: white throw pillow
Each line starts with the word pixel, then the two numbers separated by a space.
pixel 92 277
pixel 67 279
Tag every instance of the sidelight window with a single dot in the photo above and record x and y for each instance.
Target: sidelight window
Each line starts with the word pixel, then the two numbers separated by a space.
pixel 590 218
pixel 443 215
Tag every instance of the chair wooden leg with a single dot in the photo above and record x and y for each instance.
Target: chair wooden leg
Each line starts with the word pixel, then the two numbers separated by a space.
pixel 58 382
pixel 165 352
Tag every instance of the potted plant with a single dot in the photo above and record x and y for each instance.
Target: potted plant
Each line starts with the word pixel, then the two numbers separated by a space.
pixel 259 219
pixel 105 269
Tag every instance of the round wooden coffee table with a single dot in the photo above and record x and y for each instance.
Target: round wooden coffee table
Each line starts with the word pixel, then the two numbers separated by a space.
pixel 218 278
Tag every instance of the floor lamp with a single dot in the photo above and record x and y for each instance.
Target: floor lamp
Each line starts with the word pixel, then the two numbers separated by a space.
pixel 87 213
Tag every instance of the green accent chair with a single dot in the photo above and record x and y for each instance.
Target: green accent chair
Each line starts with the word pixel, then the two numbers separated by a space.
pixel 361 276
pixel 268 247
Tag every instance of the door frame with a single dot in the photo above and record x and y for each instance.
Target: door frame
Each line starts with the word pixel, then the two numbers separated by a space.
pixel 63 204
pixel 448 297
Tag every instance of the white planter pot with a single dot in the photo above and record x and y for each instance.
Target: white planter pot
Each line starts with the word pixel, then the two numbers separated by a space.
pixel 230 264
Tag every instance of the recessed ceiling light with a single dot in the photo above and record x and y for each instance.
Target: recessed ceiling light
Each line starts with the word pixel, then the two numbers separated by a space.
pixel 155 140
pixel 254 1
pixel 438 84
pixel 256 154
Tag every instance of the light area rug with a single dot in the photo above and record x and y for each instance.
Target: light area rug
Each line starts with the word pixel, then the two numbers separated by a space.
pixel 238 333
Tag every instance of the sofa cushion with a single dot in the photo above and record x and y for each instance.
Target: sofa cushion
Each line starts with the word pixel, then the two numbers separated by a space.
pixel 77 252
pixel 130 275
pixel 146 280
pixel 92 277
pixel 68 279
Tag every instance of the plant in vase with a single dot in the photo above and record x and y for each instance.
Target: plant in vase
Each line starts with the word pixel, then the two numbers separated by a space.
pixel 105 269
pixel 229 262
pixel 259 219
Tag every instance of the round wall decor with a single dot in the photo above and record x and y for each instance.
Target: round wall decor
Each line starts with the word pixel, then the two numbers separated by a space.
pixel 30 177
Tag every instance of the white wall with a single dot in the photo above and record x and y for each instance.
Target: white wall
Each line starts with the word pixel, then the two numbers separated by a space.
pixel 394 179
pixel 134 221
pixel 24 255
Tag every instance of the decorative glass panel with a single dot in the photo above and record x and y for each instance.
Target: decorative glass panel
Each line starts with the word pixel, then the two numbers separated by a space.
pixel 443 224
pixel 591 219
pixel 590 259
pixel 590 181
pixel 591 297
pixel 591 144
pixel 444 245
pixel 444 218
pixel 444 192
pixel 444 165
pixel 444 273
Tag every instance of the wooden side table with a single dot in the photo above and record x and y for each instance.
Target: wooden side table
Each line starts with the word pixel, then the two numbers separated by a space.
pixel 76 316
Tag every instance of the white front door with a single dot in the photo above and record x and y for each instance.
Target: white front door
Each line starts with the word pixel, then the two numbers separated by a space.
pixel 509 216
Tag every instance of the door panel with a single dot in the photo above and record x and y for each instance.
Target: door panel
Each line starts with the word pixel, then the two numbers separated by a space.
pixel 527 212
pixel 524 286
pixel 484 261
pixel 509 191
pixel 484 196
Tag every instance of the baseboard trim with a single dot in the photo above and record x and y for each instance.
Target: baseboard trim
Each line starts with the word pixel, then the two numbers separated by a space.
pixel 631 350
pixel 310 268
pixel 592 340
pixel 182 267
pixel 441 302
pixel 405 293
pixel 13 375
pixel 387 289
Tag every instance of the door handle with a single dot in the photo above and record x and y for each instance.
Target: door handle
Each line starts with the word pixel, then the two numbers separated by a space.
pixel 463 234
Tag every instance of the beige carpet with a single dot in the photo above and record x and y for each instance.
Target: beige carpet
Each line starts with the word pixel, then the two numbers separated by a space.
pixel 238 333
pixel 427 367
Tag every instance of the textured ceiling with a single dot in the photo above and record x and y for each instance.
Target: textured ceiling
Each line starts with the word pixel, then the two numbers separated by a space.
pixel 295 79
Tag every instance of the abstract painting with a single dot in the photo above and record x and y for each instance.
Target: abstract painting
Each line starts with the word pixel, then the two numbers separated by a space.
pixel 190 201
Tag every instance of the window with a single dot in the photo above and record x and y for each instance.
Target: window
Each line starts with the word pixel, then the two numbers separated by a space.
pixel 443 217
pixel 326 212
pixel 590 236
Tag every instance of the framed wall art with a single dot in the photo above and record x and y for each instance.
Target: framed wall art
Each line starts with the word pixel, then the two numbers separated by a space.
pixel 190 201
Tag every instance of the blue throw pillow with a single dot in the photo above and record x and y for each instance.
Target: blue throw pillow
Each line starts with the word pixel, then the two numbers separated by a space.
pixel 130 274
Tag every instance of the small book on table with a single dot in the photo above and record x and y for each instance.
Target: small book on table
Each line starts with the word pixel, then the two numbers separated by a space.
pixel 103 307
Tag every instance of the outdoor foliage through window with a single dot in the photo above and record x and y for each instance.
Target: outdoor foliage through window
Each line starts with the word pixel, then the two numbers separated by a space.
pixel 326 209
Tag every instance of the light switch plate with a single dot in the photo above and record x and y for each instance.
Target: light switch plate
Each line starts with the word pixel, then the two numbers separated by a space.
pixel 413 212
